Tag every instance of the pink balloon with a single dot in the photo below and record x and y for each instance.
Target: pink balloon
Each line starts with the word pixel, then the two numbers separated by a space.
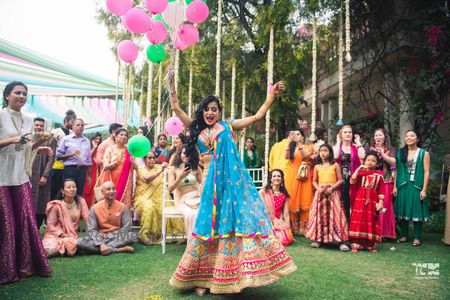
pixel 124 22
pixel 174 126
pixel 197 12
pixel 148 122
pixel 137 20
pixel 188 34
pixel 119 7
pixel 178 43
pixel 156 6
pixel 157 33
pixel 127 51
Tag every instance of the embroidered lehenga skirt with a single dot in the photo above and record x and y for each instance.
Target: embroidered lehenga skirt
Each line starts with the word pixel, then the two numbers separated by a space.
pixel 233 245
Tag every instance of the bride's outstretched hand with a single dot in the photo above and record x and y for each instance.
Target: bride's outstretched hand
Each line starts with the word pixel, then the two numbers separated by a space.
pixel 278 88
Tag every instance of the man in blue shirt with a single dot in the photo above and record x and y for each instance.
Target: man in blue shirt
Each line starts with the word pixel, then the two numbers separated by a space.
pixel 75 152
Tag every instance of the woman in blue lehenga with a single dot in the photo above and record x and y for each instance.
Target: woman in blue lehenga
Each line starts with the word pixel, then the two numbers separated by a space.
pixel 233 244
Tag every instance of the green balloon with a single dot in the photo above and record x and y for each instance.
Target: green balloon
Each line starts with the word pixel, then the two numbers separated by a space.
pixel 160 18
pixel 156 53
pixel 139 146
pixel 189 1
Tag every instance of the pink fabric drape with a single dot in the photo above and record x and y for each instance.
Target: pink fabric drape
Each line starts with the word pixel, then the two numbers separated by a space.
pixel 123 179
pixel 267 199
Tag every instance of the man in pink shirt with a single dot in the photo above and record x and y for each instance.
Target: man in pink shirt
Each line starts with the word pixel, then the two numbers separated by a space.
pixel 105 144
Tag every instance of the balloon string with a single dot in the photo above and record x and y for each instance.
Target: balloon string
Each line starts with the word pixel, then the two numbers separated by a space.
pixel 158 116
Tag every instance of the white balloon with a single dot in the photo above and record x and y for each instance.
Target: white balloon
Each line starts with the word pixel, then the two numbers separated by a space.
pixel 174 15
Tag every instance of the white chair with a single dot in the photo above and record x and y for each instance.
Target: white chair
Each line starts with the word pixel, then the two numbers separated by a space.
pixel 168 212
pixel 257 174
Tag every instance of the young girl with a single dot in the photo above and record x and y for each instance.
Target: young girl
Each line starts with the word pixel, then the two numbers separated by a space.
pixel 327 221
pixel 364 225
pixel 275 197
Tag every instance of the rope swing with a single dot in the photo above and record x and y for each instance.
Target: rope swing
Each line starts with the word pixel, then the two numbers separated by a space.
pixel 348 56
pixel 269 84
pixel 233 90
pixel 148 111
pixel 313 137
pixel 340 122
pixel 191 78
pixel 158 120
pixel 241 144
pixel 219 39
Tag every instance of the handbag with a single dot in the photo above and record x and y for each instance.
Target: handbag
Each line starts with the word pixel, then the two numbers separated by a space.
pixel 303 171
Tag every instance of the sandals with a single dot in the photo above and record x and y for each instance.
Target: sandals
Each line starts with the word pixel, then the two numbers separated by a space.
pixel 402 240
pixel 199 291
pixel 372 250
pixel 417 243
pixel 344 248
pixel 356 248
pixel 315 245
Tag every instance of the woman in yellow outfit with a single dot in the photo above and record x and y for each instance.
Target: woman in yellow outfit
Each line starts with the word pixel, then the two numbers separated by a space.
pixel 147 202
pixel 300 189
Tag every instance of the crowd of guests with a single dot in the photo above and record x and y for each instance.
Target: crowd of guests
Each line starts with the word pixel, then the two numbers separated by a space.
pixel 344 194
pixel 59 178
pixel 339 194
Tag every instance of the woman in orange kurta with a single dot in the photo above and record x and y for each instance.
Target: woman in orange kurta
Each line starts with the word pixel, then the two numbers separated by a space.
pixel 300 190
pixel 118 168
pixel 63 218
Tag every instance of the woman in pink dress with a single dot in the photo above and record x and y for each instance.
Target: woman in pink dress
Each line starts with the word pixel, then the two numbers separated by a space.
pixel 275 197
pixel 386 166
pixel 63 219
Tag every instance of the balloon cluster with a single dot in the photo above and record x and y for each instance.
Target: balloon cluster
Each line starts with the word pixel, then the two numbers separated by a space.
pixel 160 18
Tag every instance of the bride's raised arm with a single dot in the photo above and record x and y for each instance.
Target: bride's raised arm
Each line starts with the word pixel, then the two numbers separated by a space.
pixel 174 105
pixel 277 89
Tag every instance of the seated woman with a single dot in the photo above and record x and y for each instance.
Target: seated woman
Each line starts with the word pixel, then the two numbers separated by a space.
pixel 177 142
pixel 63 218
pixel 184 180
pixel 147 201
pixel 275 197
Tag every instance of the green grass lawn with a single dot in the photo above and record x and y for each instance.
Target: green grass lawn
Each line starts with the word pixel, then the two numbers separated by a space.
pixel 324 273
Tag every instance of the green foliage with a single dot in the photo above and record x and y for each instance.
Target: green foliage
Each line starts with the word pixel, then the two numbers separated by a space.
pixel 413 35
pixel 437 222
pixel 433 193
